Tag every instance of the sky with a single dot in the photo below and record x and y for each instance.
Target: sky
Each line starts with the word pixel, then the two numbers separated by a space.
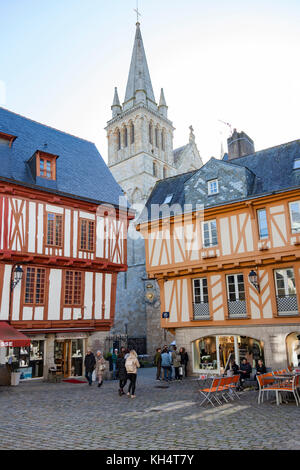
pixel 235 61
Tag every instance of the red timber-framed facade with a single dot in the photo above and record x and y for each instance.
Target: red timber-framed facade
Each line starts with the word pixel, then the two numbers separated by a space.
pixel 63 240
pixel 229 274
pixel 68 288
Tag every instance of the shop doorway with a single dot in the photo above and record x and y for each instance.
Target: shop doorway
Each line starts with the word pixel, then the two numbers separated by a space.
pixel 68 357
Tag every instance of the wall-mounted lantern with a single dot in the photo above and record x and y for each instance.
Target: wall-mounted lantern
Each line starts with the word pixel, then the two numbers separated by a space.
pixel 253 279
pixel 17 276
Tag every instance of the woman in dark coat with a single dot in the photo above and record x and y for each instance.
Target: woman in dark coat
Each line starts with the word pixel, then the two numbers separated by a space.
pixel 184 359
pixel 122 373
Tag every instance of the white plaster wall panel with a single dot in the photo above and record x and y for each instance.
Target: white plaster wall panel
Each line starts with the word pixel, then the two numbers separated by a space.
pixel 157 250
pixel 217 285
pixel 98 296
pixel 179 245
pixel 166 248
pixel 88 296
pixel 168 286
pixel 263 278
pixel 224 235
pixel 100 238
pixel 255 312
pixel 55 283
pixel 27 313
pixel 234 231
pixel 77 314
pixel 265 295
pixel 4 312
pixel 249 235
pixel 67 246
pixel 32 227
pixel 86 215
pixel 54 209
pixel 67 314
pixel 219 314
pixel 276 209
pixel 40 232
pixel 277 239
pixel 267 309
pixel 75 231
pixel 108 278
pixel 16 302
pixel 185 302
pixel 39 313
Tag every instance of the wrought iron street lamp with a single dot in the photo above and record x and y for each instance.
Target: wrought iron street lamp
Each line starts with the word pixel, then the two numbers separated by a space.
pixel 17 276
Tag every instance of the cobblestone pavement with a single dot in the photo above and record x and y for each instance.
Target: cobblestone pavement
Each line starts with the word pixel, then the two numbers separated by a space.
pixel 44 415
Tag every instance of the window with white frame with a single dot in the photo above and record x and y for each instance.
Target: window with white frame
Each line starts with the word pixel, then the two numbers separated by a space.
pixel 209 233
pixel 262 224
pixel 235 287
pixel 213 187
pixel 296 165
pixel 200 290
pixel 285 282
pixel 286 297
pixel 295 216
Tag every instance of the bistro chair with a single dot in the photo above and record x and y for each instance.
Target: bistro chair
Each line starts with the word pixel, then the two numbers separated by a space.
pixel 265 381
pixel 210 393
pixel 232 387
pixel 286 387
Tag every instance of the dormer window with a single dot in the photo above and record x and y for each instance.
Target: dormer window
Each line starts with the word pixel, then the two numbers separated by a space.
pixel 7 139
pixel 296 165
pixel 213 187
pixel 168 199
pixel 46 165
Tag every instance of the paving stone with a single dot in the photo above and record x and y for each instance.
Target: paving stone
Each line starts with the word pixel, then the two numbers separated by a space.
pixel 38 415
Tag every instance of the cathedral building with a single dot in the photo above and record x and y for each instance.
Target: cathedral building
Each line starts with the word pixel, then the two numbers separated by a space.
pixel 140 153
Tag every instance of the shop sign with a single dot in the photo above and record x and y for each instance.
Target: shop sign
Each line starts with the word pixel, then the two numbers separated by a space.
pixel 166 315
pixel 71 336
pixel 6 344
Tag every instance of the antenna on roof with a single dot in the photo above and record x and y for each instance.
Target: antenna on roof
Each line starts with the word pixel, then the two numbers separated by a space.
pixel 227 124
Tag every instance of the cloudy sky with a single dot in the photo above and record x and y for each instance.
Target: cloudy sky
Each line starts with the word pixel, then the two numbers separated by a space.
pixel 231 60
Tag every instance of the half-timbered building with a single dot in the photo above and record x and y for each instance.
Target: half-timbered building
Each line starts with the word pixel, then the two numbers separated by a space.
pixel 223 242
pixel 62 228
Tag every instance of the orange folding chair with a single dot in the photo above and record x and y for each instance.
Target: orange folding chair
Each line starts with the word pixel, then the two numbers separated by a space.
pixel 210 393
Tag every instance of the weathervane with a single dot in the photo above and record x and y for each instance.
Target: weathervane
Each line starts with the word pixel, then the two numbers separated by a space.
pixel 137 11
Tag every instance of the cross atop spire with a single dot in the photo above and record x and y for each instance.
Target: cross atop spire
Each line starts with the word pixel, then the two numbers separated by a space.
pixel 137 11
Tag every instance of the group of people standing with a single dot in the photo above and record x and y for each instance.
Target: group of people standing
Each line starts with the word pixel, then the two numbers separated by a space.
pixel 126 369
pixel 168 357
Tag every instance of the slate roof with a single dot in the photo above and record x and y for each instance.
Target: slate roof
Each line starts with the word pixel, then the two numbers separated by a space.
pixel 272 171
pixel 81 171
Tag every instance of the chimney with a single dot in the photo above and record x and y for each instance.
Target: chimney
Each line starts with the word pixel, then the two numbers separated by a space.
pixel 239 144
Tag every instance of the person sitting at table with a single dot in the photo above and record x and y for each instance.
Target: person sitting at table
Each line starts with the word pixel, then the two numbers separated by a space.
pixel 245 371
pixel 260 369
pixel 234 367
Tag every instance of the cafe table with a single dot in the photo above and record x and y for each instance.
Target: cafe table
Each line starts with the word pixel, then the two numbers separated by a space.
pixel 282 378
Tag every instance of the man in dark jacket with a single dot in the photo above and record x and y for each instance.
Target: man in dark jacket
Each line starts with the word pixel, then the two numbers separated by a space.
pixel 89 363
pixel 121 371
pixel 245 371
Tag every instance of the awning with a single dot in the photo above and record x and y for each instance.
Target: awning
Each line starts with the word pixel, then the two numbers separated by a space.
pixel 10 337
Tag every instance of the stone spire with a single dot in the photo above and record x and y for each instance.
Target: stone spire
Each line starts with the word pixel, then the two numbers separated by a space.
pixel 139 87
pixel 163 108
pixel 116 107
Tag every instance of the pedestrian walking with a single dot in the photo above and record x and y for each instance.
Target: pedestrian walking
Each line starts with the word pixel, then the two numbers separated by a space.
pixel 114 358
pixel 157 363
pixel 121 372
pixel 166 364
pixel 89 364
pixel 132 364
pixel 100 367
pixel 184 360
pixel 176 360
